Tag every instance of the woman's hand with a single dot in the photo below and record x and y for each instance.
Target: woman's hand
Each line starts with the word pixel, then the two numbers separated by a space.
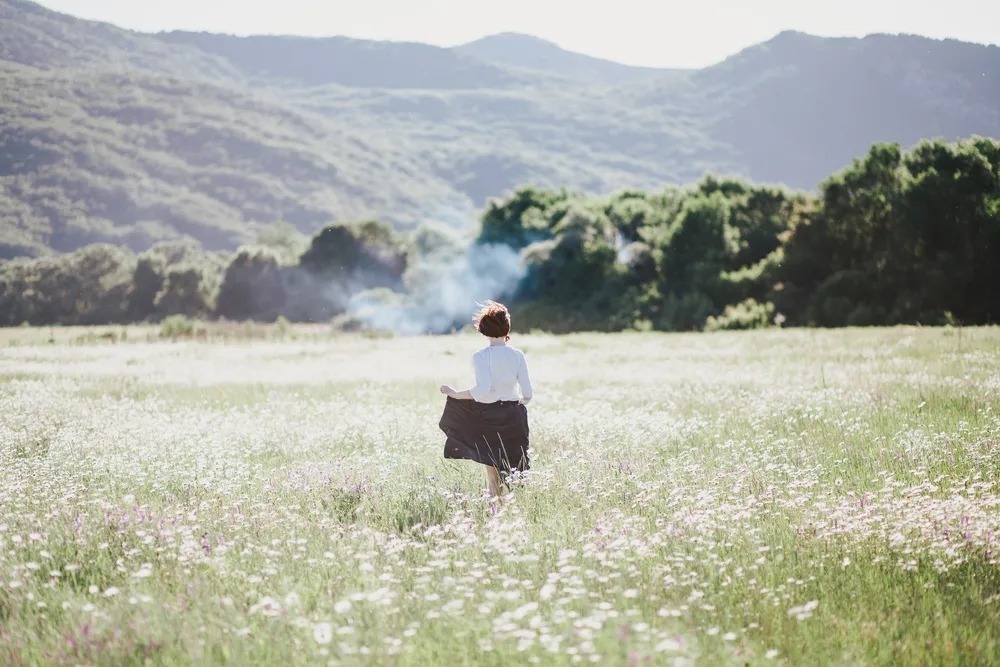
pixel 456 394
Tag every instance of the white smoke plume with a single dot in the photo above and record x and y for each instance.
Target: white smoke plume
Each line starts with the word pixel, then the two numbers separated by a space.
pixel 443 288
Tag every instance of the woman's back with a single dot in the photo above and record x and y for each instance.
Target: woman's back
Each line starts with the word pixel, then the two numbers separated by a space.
pixel 500 370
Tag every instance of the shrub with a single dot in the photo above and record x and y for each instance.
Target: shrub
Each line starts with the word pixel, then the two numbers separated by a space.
pixel 747 314
pixel 177 326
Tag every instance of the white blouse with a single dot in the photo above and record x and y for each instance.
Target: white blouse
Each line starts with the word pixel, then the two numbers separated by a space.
pixel 500 370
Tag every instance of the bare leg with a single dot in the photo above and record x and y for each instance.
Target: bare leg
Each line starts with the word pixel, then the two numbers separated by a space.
pixel 493 477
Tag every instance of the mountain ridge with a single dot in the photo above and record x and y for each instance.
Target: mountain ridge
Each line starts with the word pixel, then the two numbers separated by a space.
pixel 346 61
pixel 534 53
pixel 109 134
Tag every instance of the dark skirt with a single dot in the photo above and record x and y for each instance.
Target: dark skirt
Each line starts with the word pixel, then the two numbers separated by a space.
pixel 494 434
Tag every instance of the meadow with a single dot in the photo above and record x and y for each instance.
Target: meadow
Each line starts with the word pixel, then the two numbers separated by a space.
pixel 794 497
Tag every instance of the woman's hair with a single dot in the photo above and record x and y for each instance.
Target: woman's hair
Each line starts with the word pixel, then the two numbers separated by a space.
pixel 493 320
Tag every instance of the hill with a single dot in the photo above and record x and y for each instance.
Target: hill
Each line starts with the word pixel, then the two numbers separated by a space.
pixel 347 62
pixel 112 135
pixel 134 157
pixel 798 105
pixel 34 36
pixel 531 53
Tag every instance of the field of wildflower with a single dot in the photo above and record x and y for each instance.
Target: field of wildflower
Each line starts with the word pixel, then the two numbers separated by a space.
pixel 777 497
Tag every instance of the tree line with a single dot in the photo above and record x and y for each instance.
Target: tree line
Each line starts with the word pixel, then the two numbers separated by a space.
pixel 896 237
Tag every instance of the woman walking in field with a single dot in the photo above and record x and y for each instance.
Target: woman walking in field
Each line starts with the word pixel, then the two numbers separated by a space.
pixel 488 423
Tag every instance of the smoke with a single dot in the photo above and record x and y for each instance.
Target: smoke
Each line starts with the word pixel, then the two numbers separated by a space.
pixel 443 285
pixel 624 251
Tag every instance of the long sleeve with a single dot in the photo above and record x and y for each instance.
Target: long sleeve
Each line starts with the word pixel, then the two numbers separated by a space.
pixel 483 391
pixel 524 380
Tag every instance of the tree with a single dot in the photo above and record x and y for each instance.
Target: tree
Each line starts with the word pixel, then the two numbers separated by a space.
pixel 699 244
pixel 285 241
pixel 147 281
pixel 88 286
pixel 520 220
pixel 184 293
pixel 252 288
pixel 951 229
pixel 844 249
pixel 196 275
pixel 345 259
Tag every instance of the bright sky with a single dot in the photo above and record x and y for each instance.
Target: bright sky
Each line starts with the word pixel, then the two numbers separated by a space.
pixel 662 33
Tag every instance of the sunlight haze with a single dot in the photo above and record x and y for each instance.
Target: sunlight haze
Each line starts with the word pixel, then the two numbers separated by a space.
pixel 635 32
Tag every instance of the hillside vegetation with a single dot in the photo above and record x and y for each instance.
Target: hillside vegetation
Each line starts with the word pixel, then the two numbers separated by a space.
pixel 132 157
pixel 897 237
pixel 108 135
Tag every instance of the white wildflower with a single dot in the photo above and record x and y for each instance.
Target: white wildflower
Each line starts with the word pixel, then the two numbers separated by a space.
pixel 323 633
pixel 667 645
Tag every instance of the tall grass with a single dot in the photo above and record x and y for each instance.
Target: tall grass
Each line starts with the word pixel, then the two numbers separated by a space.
pixel 789 497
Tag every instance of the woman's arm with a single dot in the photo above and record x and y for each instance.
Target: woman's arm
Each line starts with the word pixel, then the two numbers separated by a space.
pixel 465 395
pixel 524 380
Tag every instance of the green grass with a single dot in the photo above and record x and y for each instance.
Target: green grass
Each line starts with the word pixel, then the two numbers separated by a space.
pixel 782 497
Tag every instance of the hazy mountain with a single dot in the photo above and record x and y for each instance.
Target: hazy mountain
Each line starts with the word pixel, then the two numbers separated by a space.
pixel 347 62
pixel 798 106
pixel 109 134
pixel 135 157
pixel 532 53
pixel 38 37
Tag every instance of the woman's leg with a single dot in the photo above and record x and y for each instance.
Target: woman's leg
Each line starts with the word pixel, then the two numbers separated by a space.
pixel 493 477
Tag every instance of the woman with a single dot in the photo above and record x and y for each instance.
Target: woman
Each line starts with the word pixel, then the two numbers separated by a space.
pixel 489 422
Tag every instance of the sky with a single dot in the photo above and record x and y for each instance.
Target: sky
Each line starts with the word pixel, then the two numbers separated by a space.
pixel 656 33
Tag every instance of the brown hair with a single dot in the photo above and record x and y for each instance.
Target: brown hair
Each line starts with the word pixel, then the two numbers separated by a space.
pixel 493 320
